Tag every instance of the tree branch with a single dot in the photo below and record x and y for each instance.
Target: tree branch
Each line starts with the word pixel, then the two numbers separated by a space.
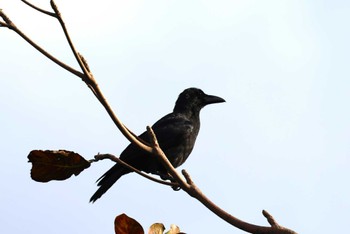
pixel 190 187
pixel 39 9
pixel 92 84
pixel 75 53
pixel 3 24
pixel 99 157
pixel 9 24
pixel 86 76
pixel 157 151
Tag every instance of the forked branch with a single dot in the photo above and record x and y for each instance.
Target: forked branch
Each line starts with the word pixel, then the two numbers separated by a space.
pixel 10 25
pixel 39 9
pixel 85 75
pixel 189 186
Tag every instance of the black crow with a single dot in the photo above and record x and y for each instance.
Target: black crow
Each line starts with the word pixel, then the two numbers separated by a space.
pixel 176 134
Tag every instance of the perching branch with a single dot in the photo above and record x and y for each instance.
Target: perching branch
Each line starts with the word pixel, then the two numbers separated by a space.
pixel 184 181
pixel 99 157
pixel 189 186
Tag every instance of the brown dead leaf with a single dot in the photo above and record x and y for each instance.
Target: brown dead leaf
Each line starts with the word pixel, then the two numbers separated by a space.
pixel 55 165
pixel 123 224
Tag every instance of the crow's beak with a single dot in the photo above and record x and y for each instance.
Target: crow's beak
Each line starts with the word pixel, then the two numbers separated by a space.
pixel 210 99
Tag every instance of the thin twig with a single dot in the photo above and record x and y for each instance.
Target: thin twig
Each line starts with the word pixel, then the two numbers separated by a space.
pixel 118 160
pixel 75 53
pixel 92 84
pixel 85 63
pixel 7 20
pixel 86 76
pixel 270 219
pixel 13 27
pixel 39 9
pixel 3 24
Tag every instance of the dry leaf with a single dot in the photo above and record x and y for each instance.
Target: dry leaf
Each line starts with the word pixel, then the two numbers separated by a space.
pixel 55 165
pixel 174 229
pixel 156 228
pixel 123 224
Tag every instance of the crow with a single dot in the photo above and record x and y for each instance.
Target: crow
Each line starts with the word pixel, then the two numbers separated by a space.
pixel 176 134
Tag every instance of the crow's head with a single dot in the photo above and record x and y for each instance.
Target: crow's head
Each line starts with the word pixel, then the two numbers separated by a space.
pixel 193 99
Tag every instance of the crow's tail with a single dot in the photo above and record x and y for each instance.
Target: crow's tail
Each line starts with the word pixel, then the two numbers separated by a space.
pixel 108 179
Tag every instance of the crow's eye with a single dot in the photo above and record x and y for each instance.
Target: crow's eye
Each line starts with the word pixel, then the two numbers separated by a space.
pixel 200 94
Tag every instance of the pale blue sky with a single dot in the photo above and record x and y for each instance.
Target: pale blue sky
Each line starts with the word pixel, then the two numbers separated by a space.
pixel 280 142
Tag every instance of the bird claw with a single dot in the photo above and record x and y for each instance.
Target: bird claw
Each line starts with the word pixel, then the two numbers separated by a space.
pixel 166 177
pixel 169 177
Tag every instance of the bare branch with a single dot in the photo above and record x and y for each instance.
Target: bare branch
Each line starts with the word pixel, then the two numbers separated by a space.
pixel 13 27
pixel 92 84
pixel 275 227
pixel 270 219
pixel 85 63
pixel 118 160
pixel 39 9
pixel 190 187
pixel 7 20
pixel 75 53
pixel 3 24
pixel 86 76
pixel 187 177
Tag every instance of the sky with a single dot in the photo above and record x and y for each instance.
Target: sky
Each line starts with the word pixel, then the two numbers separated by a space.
pixel 279 143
